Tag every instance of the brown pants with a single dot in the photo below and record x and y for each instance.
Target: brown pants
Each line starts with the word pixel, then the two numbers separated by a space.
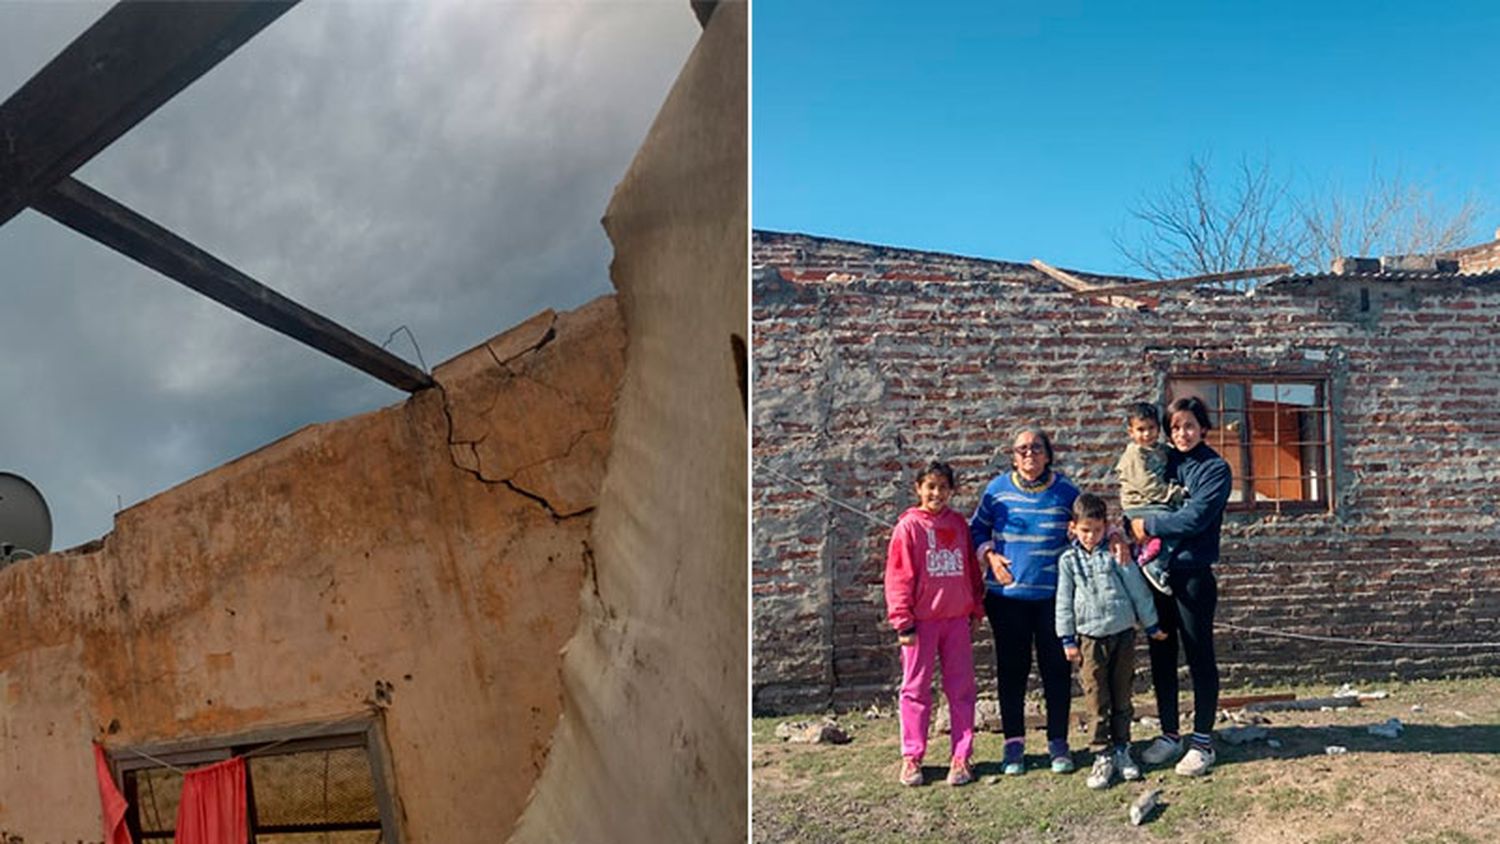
pixel 1108 666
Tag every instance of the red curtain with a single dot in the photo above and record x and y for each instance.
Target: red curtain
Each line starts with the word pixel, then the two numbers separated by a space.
pixel 213 805
pixel 110 798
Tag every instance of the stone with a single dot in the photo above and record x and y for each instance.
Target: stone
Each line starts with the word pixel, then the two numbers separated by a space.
pixel 1142 807
pixel 826 731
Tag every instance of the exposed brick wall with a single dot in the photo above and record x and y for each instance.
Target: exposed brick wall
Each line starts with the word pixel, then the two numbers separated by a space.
pixel 870 360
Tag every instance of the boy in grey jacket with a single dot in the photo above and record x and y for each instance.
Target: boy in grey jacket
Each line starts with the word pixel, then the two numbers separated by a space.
pixel 1099 603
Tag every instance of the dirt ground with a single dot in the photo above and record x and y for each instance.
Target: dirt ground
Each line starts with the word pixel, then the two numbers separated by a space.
pixel 1439 781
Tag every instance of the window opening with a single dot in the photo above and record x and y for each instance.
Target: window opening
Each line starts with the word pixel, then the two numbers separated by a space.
pixel 326 789
pixel 1274 432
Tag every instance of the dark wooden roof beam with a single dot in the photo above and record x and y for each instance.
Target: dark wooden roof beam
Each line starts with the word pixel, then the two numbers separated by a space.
pixel 135 57
pixel 95 215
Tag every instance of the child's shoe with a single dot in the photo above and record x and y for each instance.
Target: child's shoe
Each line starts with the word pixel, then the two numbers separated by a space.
pixel 1062 760
pixel 1103 771
pixel 1014 761
pixel 1148 551
pixel 1197 762
pixel 959 772
pixel 1162 750
pixel 911 771
pixel 1155 572
pixel 1125 763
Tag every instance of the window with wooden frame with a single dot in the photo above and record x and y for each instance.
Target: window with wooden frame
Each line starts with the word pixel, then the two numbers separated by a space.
pixel 324 785
pixel 1276 434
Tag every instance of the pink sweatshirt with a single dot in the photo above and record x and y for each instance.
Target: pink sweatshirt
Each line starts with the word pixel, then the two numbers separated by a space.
pixel 931 571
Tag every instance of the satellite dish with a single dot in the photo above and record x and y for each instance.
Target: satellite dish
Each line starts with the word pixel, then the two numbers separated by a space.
pixel 25 522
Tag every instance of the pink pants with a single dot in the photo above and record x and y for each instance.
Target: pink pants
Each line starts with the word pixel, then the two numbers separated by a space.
pixel 947 639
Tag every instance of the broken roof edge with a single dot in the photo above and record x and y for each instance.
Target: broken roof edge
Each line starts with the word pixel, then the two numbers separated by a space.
pixel 509 344
pixel 1457 280
pixel 848 272
pixel 769 236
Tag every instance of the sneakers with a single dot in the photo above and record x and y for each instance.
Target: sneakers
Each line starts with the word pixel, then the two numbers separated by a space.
pixel 1103 771
pixel 1125 763
pixel 1162 750
pixel 1155 572
pixel 1197 762
pixel 1062 760
pixel 1014 761
pixel 959 773
pixel 1148 551
pixel 911 771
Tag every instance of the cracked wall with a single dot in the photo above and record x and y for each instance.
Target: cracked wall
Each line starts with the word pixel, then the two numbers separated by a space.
pixel 436 548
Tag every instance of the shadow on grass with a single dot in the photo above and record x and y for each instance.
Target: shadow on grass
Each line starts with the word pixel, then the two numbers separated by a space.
pixel 1304 741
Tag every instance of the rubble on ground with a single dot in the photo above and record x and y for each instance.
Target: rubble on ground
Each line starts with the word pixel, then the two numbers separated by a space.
pixel 826 731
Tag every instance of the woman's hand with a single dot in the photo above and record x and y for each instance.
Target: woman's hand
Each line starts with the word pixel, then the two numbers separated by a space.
pixel 907 640
pixel 1072 653
pixel 1138 529
pixel 1000 567
pixel 1119 548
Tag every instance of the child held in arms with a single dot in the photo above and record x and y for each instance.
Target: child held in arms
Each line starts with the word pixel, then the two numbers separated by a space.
pixel 1144 488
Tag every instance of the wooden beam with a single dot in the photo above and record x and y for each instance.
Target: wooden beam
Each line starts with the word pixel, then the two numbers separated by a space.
pixel 133 59
pixel 91 213
pixel 1083 288
pixel 1192 281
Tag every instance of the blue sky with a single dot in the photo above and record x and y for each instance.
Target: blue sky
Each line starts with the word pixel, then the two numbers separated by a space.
pixel 1015 131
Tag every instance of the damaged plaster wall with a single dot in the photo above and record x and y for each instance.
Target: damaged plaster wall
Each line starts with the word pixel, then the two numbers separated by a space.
pixel 652 746
pixel 437 547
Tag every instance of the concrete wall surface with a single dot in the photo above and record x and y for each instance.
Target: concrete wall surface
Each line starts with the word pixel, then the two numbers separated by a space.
pixel 436 547
pixel 870 360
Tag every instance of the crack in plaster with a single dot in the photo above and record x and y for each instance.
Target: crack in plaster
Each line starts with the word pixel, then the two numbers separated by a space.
pixel 478 472
pixel 567 452
pixel 547 337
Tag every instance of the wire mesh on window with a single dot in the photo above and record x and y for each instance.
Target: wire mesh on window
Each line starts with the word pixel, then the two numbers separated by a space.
pixel 312 788
pixel 158 791
pixel 356 836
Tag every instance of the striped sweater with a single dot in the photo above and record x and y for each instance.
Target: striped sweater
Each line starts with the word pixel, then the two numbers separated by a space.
pixel 1029 528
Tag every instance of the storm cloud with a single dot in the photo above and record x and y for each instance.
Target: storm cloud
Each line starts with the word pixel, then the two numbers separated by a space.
pixel 441 166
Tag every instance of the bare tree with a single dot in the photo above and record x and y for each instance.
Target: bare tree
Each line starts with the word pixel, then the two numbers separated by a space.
pixel 1210 222
pixel 1392 217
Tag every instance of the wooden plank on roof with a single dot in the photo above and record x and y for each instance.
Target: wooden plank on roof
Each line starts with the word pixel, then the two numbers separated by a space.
pixel 1083 288
pixel 91 213
pixel 1193 281
pixel 134 58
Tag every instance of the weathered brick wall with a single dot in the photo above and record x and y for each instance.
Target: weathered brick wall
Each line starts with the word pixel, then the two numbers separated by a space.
pixel 870 360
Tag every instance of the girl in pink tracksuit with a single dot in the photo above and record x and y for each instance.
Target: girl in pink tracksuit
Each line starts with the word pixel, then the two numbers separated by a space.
pixel 933 595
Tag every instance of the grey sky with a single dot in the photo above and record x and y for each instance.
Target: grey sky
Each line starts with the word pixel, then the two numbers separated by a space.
pixel 440 165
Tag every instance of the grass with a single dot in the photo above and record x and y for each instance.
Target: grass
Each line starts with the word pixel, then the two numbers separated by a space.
pixel 1437 783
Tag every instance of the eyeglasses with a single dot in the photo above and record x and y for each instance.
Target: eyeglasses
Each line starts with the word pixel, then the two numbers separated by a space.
pixel 1033 448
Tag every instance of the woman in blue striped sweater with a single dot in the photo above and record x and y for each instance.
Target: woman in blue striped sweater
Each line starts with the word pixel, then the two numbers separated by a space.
pixel 1019 529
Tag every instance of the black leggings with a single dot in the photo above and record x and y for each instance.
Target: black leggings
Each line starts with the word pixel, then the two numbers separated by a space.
pixel 1187 615
pixel 1019 626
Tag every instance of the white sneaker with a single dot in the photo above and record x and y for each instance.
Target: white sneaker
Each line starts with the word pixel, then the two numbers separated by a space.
pixel 1162 750
pixel 1103 771
pixel 1126 765
pixel 1196 763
